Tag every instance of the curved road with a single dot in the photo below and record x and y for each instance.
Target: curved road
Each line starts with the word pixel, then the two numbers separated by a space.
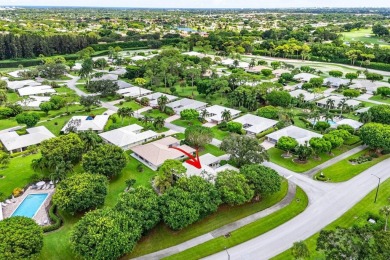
pixel 327 202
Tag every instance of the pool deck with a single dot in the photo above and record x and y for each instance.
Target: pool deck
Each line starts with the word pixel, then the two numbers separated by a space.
pixel 41 217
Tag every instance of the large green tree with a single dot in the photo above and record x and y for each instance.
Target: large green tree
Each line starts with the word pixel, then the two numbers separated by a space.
pixel 263 180
pixel 30 119
pixel 287 144
pixel 166 174
pixel 198 136
pixel 376 136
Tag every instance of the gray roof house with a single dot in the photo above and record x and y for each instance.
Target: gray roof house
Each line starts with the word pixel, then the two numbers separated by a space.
pixel 299 134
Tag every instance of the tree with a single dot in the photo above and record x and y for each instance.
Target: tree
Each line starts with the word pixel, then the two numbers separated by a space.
pixel 62 168
pixel 275 64
pixel 46 107
pixel 140 81
pixel 226 115
pixel 351 76
pixel 104 87
pixel 124 112
pixel 90 139
pixel 385 211
pixel 316 82
pixel 86 69
pixel 3 96
pixel 244 149
pixel 279 98
pixel 351 93
pixel 380 30
pixel 104 234
pixel 142 202
pixel 321 126
pixel 198 136
pixel 5 159
pixel 270 112
pixel 373 76
pixel 375 135
pixel 30 119
pixel 234 127
pixel 106 159
pixel 189 114
pixel 335 140
pixel 233 187
pixel 166 172
pixel 320 145
pixel 266 72
pixel 159 122
pixel 380 114
pixel 383 91
pixel 303 152
pixel 287 144
pixel 89 101
pixel 20 238
pixel 299 250
pixel 353 55
pixel 162 102
pixel 263 180
pixel 336 73
pixel 80 192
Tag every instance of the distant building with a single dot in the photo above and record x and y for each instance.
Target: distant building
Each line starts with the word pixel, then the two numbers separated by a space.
pixel 254 125
pixel 153 98
pixel 304 77
pixel 186 103
pixel 133 92
pixel 215 113
pixel 35 90
pixel 335 82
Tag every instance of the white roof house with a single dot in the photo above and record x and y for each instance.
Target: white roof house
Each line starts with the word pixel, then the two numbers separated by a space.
pixel 256 69
pixel 123 84
pixel 362 110
pixel 137 58
pixel 215 113
pixel 33 102
pixel 14 142
pixel 154 154
pixel 15 73
pixel 368 85
pixel 153 98
pixel 307 95
pixel 37 90
pixel 186 103
pixel 133 92
pixel 337 100
pixel 14 85
pixel 230 62
pixel 353 123
pixel 109 76
pixel 335 82
pixel 85 123
pixel 279 72
pixel 304 77
pixel 118 71
pixel 299 134
pixel 128 136
pixel 210 166
pixel 255 124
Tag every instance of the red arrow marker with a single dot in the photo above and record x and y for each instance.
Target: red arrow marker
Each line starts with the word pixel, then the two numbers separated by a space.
pixel 194 161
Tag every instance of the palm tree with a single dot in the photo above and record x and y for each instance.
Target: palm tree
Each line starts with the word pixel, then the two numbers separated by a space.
pixel 146 120
pixel 329 103
pixel 226 115
pixel 159 122
pixel 386 212
pixel 365 117
pixel 125 112
pixel 203 114
pixel 236 63
pixel 90 139
pixel 328 116
pixel 162 101
pixel 61 170
pixel 342 105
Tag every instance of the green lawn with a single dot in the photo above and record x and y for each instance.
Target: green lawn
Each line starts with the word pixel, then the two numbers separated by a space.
pixel 186 123
pixel 82 88
pixel 275 155
pixel 12 97
pixel 162 237
pixel 364 35
pixel 380 99
pixel 17 174
pixel 219 134
pixel 247 232
pixel 357 214
pixel 126 121
pixel 64 89
pixel 212 149
pixel 7 123
pixel 132 104
pixel 344 170
pixel 154 113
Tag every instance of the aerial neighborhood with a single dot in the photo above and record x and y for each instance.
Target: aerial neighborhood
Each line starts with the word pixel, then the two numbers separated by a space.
pixel 213 133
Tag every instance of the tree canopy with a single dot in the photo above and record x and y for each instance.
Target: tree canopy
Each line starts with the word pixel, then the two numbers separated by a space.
pixel 263 180
pixel 198 136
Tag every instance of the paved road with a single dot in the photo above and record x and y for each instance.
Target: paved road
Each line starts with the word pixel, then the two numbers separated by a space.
pixel 322 210
pixel 224 229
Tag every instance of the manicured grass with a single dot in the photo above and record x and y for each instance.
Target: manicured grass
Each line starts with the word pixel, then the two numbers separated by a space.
pixel 17 174
pixel 219 134
pixel 275 155
pixel 162 237
pixel 357 214
pixel 132 104
pixel 126 121
pixel 344 170
pixel 212 149
pixel 247 232
pixel 364 35
pixel 64 90
pixel 380 99
pixel 7 123
pixel 154 113
pixel 12 97
pixel 82 88
pixel 186 123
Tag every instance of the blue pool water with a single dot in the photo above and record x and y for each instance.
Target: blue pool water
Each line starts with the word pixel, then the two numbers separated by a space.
pixel 185 29
pixel 30 205
pixel 329 121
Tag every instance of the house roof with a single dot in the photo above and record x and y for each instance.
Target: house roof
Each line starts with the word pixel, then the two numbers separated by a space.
pixel 280 71
pixel 133 92
pixel 159 151
pixel 33 101
pixel 335 81
pixel 337 100
pixel 256 69
pixel 255 124
pixel 216 112
pixel 299 134
pixel 304 76
pixel 154 96
pixel 123 84
pixel 138 57
pixel 353 123
pixel 127 135
pixel 119 71
pixel 12 141
pixel 35 90
pixel 186 103
pixel 87 123
pixel 106 77
pixel 308 96
pixel 368 85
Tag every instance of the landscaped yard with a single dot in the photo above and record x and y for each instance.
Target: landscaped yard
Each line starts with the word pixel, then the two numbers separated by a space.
pixel 249 231
pixel 380 99
pixel 132 104
pixel 275 155
pixel 344 170
pixel 154 113
pixel 186 123
pixel 357 214
pixel 212 149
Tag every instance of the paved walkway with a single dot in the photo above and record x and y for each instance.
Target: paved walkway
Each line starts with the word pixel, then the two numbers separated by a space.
pixel 224 229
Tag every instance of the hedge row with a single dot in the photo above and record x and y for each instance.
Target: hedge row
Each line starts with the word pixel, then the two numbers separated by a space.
pixel 266 132
pixel 57 220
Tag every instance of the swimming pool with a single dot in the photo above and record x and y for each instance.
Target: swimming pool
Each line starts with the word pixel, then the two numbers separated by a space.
pixel 331 122
pixel 30 205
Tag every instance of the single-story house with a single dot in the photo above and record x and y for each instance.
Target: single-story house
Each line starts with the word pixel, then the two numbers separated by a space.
pixel 215 113
pixel 123 84
pixel 33 102
pixel 112 77
pixel 13 142
pixel 299 134
pixel 138 57
pixel 308 96
pixel 335 82
pixel 256 69
pixel 153 98
pixel 133 92
pixel 195 53
pixel 279 72
pixel 128 136
pixel 14 85
pixel 15 73
pixel 230 62
pixel 211 166
pixel 85 123
pixel 369 86
pixel 337 100
pixel 304 77
pixel 154 154
pixel 36 90
pixel 254 125
pixel 362 110
pixel 186 103
pixel 353 123
pixel 119 71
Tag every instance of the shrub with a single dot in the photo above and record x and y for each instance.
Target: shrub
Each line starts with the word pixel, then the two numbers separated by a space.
pixel 17 192
pixel 56 220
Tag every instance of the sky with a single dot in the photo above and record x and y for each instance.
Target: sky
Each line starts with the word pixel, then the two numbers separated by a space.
pixel 201 3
